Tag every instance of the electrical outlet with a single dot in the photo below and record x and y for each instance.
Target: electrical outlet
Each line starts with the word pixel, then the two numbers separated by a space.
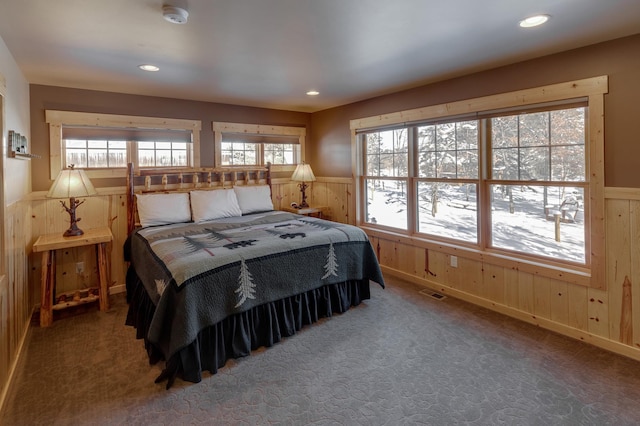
pixel 79 267
pixel 454 261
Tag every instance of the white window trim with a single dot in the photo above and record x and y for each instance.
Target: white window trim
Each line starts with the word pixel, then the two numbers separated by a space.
pixel 258 129
pixel 592 88
pixel 58 119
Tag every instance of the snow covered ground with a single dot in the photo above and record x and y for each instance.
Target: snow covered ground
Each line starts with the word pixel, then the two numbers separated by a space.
pixel 520 222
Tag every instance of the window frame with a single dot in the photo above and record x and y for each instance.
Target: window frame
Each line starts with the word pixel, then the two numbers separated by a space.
pixel 259 130
pixel 58 119
pixel 592 90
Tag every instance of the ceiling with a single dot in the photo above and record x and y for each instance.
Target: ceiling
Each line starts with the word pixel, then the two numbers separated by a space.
pixel 269 53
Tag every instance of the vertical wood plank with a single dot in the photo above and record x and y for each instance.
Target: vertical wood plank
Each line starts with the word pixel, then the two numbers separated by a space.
pixel 619 264
pixel 578 307
pixel 598 304
pixel 542 297
pixel 559 301
pixel 493 279
pixel 526 294
pixel 511 287
pixel 634 238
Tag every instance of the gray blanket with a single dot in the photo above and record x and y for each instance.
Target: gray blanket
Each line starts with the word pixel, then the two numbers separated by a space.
pixel 199 274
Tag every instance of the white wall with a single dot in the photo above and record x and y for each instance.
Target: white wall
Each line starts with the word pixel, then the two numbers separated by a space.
pixel 16 305
pixel 17 173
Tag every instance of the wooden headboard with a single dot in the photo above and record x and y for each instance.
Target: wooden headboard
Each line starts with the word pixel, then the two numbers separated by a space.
pixel 184 180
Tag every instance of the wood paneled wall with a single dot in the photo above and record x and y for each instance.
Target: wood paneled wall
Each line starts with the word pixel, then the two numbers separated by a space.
pixel 609 319
pixel 109 209
pixel 15 291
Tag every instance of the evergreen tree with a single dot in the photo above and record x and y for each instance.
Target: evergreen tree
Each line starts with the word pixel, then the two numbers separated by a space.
pixel 331 267
pixel 247 287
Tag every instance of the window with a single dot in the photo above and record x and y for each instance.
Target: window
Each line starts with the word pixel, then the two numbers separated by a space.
pixel 163 154
pixel 250 144
pixel 387 178
pixel 90 154
pixel 507 181
pixel 104 143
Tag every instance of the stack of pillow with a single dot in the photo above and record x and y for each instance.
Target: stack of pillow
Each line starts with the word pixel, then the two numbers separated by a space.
pixel 202 205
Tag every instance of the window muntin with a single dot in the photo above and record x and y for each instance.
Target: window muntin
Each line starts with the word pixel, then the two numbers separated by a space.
pixel 544 150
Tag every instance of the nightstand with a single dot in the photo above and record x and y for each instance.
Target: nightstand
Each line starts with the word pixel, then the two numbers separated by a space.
pixel 307 211
pixel 48 244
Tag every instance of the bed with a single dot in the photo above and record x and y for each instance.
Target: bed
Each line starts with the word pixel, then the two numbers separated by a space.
pixel 214 272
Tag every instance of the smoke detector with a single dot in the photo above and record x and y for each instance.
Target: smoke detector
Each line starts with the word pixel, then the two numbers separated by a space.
pixel 175 15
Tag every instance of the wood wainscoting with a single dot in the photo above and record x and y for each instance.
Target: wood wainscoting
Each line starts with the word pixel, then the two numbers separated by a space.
pixel 109 209
pixel 606 318
pixel 16 294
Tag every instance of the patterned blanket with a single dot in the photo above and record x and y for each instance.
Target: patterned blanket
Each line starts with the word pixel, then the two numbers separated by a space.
pixel 199 274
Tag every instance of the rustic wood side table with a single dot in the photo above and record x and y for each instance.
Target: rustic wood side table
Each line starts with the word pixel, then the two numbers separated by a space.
pixel 47 245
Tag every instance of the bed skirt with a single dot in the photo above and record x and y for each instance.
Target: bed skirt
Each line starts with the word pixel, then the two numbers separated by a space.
pixel 239 334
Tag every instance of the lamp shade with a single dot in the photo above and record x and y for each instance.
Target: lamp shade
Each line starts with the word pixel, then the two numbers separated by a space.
pixel 71 183
pixel 303 173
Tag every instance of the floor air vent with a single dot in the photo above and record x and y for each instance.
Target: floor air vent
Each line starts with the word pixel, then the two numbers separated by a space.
pixel 432 294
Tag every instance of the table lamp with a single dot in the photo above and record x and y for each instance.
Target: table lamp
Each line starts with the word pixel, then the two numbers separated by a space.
pixel 303 174
pixel 72 183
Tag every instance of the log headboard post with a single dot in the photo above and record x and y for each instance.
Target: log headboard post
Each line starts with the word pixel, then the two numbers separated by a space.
pixel 268 178
pixel 131 214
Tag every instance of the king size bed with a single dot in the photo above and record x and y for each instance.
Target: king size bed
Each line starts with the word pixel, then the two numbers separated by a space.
pixel 215 272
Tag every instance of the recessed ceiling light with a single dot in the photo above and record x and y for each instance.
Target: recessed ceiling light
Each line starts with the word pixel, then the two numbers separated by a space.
pixel 148 67
pixel 313 93
pixel 534 21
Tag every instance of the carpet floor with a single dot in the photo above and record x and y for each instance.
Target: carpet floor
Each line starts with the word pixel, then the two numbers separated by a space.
pixel 401 358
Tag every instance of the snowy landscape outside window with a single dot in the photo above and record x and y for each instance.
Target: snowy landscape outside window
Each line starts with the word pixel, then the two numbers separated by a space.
pixel 96 153
pixel 162 154
pixel 429 179
pixel 241 150
pixel 542 212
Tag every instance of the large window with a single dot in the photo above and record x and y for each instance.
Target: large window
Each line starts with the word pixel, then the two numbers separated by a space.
pixel 103 144
pixel 249 144
pixel 505 182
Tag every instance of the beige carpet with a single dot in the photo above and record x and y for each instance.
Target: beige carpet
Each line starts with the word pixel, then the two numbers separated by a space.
pixel 399 358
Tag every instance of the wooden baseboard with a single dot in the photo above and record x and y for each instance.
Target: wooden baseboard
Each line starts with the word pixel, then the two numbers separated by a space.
pixel 565 330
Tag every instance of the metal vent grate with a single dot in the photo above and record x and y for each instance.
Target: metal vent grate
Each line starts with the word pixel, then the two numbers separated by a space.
pixel 432 294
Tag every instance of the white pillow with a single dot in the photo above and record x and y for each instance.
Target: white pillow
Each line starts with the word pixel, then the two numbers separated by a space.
pixel 254 198
pixel 162 209
pixel 214 204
